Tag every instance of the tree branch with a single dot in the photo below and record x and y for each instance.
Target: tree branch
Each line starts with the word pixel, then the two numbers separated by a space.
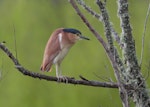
pixel 143 35
pixel 140 95
pixel 96 34
pixel 100 18
pixel 89 10
pixel 113 50
pixel 110 50
pixel 83 81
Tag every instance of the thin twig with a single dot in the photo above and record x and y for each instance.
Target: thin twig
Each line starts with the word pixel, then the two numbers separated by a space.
pixel 50 78
pixel 103 78
pixel 83 78
pixel 143 35
pixel 89 10
pixel 116 37
pixel 15 41
pixel 100 18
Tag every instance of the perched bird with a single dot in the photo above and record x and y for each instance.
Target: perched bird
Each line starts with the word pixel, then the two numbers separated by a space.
pixel 58 45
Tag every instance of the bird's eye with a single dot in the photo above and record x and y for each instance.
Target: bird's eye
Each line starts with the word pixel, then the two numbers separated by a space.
pixel 78 34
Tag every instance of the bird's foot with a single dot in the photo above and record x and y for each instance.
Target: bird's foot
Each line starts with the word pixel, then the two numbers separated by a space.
pixel 62 79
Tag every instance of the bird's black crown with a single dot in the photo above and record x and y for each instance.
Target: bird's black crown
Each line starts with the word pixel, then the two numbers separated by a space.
pixel 70 30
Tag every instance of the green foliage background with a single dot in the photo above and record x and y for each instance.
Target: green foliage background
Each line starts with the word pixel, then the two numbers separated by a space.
pixel 31 22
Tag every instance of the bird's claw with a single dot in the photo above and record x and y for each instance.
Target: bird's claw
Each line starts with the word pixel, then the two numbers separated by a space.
pixel 62 79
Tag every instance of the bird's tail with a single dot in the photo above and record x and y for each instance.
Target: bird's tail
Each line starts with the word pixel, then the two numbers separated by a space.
pixel 46 67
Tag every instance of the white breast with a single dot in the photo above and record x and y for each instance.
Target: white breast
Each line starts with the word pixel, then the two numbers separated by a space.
pixel 62 53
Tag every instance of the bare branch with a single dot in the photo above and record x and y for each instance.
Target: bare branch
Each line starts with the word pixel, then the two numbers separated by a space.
pixel 134 76
pixel 143 35
pixel 99 17
pixel 110 50
pixel 107 25
pixel 83 78
pixel 116 37
pixel 89 10
pixel 50 78
pixel 113 50
pixel 126 37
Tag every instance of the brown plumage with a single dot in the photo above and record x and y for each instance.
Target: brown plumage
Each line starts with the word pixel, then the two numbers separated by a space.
pixel 57 47
pixel 51 50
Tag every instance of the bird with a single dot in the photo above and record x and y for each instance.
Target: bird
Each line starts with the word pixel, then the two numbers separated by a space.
pixel 57 47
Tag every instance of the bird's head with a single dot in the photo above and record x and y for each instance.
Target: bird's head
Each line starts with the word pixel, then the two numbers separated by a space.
pixel 76 34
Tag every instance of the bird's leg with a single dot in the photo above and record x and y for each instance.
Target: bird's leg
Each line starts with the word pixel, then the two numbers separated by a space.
pixel 57 70
pixel 59 75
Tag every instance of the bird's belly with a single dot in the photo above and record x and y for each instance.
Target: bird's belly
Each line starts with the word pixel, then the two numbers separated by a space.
pixel 60 56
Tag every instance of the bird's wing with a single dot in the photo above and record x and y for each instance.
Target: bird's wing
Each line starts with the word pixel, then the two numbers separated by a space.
pixel 51 51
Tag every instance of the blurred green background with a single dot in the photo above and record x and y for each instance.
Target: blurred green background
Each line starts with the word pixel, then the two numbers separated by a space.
pixel 31 22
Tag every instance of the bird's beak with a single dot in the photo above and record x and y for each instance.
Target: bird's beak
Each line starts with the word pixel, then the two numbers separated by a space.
pixel 83 37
